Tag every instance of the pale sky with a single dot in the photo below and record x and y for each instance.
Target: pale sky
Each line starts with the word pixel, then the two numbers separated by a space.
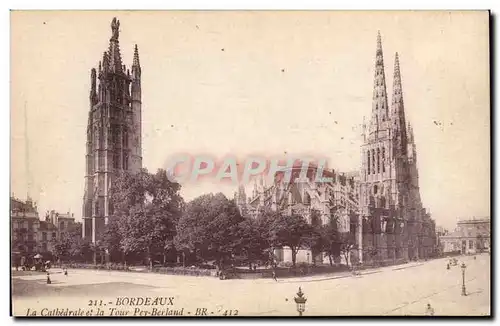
pixel 212 83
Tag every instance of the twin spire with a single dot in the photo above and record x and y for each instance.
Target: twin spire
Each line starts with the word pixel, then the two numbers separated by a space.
pixel 381 118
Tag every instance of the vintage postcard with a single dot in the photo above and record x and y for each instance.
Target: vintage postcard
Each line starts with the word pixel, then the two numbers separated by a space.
pixel 250 163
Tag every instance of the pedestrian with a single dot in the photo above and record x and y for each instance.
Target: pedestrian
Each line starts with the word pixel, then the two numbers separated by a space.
pixel 48 278
pixel 429 311
pixel 274 276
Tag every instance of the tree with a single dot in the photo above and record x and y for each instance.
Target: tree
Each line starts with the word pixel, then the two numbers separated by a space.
pixel 80 250
pixel 112 240
pixel 346 245
pixel 210 227
pixel 61 248
pixel 480 239
pixel 316 239
pixel 146 208
pixel 291 231
pixel 251 242
pixel 67 241
pixel 330 239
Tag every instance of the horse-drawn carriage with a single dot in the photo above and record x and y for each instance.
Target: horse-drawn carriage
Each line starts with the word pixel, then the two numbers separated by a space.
pixel 36 262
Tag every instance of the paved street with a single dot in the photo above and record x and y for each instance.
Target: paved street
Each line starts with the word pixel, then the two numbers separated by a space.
pixel 396 290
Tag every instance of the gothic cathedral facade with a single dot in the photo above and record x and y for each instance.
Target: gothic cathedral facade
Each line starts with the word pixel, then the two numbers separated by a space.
pixel 378 205
pixel 394 224
pixel 113 132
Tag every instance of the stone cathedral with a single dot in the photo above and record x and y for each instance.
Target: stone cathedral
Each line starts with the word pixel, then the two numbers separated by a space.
pixel 113 132
pixel 391 215
pixel 378 206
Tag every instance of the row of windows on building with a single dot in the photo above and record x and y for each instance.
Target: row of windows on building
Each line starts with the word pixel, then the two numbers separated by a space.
pixel 30 236
pixel 24 224
pixel 114 137
pixel 375 161
pixel 116 161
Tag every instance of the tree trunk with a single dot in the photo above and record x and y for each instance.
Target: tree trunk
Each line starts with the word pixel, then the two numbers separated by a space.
pixel 294 255
pixel 150 261
pixel 219 263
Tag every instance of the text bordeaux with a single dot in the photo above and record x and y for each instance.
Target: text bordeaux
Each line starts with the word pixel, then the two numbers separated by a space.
pixel 145 301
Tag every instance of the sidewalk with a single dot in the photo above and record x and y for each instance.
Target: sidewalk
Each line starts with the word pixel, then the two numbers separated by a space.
pixel 339 275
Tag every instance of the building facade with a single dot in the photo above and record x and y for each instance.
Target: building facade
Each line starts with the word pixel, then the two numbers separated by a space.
pixel 379 206
pixel 62 222
pixel 30 235
pixel 394 223
pixel 470 236
pixel 47 233
pixel 25 226
pixel 113 132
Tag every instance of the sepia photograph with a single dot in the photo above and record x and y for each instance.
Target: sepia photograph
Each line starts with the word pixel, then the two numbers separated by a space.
pixel 214 164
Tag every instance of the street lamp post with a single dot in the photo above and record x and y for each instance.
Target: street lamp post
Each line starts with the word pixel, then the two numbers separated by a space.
pixel 464 293
pixel 300 300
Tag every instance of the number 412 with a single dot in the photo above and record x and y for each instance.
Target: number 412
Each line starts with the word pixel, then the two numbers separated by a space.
pixel 230 313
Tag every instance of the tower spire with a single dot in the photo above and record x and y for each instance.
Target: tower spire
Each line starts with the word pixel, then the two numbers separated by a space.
pixel 115 58
pixel 136 66
pixel 410 133
pixel 398 110
pixel 242 197
pixel 380 112
pixel 93 93
pixel 136 57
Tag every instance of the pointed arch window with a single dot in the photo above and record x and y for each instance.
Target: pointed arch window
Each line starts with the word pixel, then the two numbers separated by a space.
pixel 125 161
pixel 116 161
pixel 373 161
pixel 378 160
pixel 96 137
pixel 125 139
pixel 368 157
pixel 383 159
